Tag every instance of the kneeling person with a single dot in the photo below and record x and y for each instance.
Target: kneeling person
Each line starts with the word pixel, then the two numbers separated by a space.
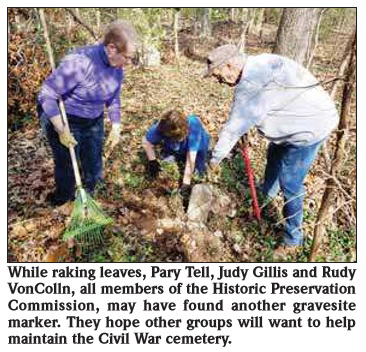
pixel 183 138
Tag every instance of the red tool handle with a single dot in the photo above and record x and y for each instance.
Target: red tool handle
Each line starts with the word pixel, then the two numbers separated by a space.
pixel 253 192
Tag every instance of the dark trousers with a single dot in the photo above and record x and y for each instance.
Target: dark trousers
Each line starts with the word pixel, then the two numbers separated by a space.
pixel 89 134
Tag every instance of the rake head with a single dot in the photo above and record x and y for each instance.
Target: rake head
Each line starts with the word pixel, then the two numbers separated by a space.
pixel 87 220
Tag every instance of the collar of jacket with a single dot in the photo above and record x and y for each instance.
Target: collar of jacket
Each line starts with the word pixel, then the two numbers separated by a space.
pixel 103 55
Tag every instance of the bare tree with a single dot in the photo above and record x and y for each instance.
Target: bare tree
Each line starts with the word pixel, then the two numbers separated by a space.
pixel 233 14
pixel 295 33
pixel 334 88
pixel 97 15
pixel 206 23
pixel 344 65
pixel 255 24
pixel 176 29
pixel 245 15
pixel 339 154
pixel 315 39
pixel 76 16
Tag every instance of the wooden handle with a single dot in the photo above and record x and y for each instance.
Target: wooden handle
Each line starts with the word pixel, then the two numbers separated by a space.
pixel 61 103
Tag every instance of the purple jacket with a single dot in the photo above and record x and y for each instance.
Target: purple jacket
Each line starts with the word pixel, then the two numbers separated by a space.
pixel 86 82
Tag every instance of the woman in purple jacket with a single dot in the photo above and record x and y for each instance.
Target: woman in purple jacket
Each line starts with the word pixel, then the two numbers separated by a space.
pixel 87 80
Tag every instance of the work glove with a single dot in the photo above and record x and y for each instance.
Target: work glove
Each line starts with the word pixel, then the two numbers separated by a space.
pixel 153 169
pixel 185 192
pixel 113 137
pixel 66 138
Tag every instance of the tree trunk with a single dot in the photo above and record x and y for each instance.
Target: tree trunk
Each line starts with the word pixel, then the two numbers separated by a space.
pixel 206 24
pixel 339 155
pixel 176 29
pixel 77 18
pixel 255 25
pixel 196 21
pixel 333 91
pixel 295 33
pixel 316 38
pixel 343 66
pixel 233 11
pixel 242 42
pixel 244 15
pixel 97 14
pixel 250 19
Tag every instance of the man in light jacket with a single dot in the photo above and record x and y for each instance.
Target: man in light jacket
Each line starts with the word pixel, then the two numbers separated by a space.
pixel 287 105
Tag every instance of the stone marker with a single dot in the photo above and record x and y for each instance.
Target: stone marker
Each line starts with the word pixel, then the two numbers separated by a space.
pixel 199 203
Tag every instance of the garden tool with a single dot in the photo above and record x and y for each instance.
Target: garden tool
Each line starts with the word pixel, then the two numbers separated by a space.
pixel 87 219
pixel 245 153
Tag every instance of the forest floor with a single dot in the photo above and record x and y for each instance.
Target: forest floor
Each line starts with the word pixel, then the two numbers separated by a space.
pixel 149 220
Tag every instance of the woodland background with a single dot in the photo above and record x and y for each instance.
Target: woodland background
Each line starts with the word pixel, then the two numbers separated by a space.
pixel 149 219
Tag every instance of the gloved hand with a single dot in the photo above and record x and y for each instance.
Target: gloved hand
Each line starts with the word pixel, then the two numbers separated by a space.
pixel 185 192
pixel 66 138
pixel 113 137
pixel 153 168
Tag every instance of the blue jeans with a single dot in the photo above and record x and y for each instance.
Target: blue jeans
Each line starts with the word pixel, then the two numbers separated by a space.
pixel 89 134
pixel 286 169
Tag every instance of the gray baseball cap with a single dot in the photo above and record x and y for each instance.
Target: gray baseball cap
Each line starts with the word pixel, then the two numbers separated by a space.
pixel 219 56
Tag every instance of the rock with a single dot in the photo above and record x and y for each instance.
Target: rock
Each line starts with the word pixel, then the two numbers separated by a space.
pixel 200 203
pixel 221 204
pixel 237 248
pixel 218 233
pixel 232 213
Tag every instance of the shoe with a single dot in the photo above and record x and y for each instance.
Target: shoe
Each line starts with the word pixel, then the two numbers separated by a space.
pixel 55 200
pixel 283 251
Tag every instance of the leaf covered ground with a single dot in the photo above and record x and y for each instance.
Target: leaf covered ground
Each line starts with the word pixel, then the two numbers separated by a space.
pixel 149 220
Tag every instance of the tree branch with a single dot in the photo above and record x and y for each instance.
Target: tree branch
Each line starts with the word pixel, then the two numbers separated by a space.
pixel 77 19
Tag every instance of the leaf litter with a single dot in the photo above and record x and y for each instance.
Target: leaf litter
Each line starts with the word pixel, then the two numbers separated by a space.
pixel 150 224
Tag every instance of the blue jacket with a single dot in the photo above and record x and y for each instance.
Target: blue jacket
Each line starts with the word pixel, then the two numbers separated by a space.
pixel 86 83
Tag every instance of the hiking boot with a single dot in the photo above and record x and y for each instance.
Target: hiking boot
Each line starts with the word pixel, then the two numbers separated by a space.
pixel 283 252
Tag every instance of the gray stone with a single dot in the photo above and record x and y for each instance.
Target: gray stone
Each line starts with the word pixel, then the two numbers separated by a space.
pixel 200 203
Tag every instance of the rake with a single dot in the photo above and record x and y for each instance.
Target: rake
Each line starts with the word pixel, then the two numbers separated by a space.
pixel 87 221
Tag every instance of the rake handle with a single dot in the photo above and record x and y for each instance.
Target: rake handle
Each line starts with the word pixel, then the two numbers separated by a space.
pixel 253 192
pixel 60 103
